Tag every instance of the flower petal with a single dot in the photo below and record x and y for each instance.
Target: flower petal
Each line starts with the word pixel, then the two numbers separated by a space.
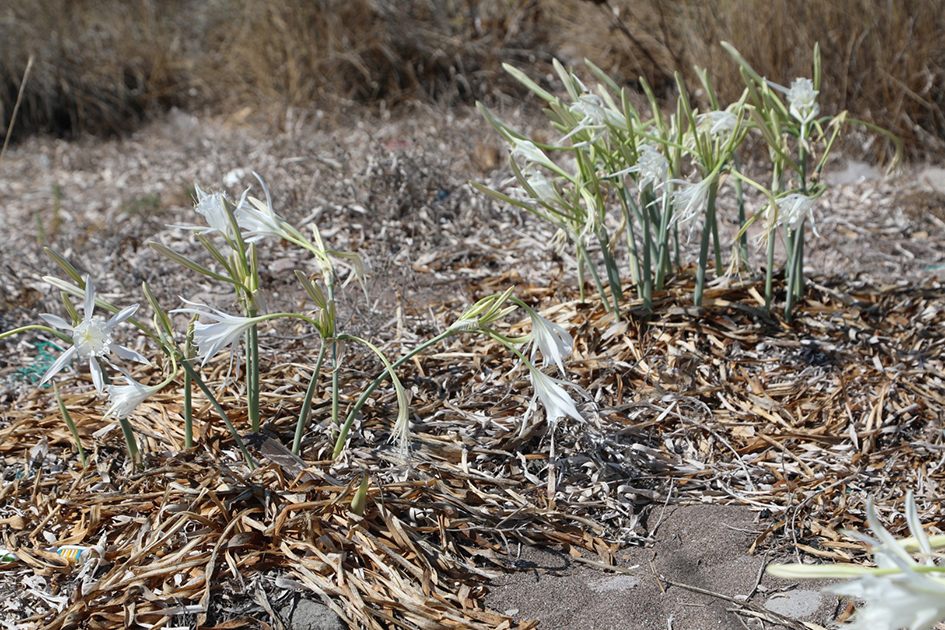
pixel 97 378
pixel 89 297
pixel 60 363
pixel 128 354
pixel 56 322
pixel 122 315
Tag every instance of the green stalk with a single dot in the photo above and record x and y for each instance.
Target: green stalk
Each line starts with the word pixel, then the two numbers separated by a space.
pixel 335 386
pixel 67 417
pixel 704 245
pixel 647 262
pixel 613 275
pixel 799 269
pixel 356 408
pixel 47 329
pixel 769 272
pixel 188 413
pixel 188 389
pixel 715 245
pixel 794 277
pixel 219 409
pixel 252 376
pixel 582 251
pixel 307 401
pixel 631 242
pixel 130 441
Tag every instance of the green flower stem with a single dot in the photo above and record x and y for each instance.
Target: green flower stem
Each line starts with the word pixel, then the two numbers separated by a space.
pixel 252 376
pixel 47 329
pixel 356 408
pixel 794 276
pixel 631 241
pixel 647 261
pixel 743 241
pixel 769 272
pixel 582 252
pixel 130 440
pixel 715 245
pixel 188 388
pixel 219 409
pixel 335 386
pixel 704 246
pixel 307 401
pixel 613 274
pixel 188 413
pixel 67 417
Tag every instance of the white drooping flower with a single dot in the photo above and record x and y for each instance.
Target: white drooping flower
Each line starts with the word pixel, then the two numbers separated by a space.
pixel 223 333
pixel 717 123
pixel 802 100
pixel 595 116
pixel 794 208
pixel 690 200
pixel 554 342
pixel 550 391
pixel 91 339
pixel 543 186
pixel 652 167
pixel 532 155
pixel 210 207
pixel 900 592
pixel 124 399
pixel 257 220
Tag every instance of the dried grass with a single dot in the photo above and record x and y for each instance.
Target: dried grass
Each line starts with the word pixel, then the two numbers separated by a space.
pixel 102 66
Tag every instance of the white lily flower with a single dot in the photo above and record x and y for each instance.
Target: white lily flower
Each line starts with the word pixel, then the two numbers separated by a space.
pixel 125 399
pixel 210 207
pixel 532 155
pixel 717 123
pixel 551 393
pixel 225 332
pixel 690 199
pixel 595 116
pixel 555 342
pixel 257 220
pixel 794 208
pixel 651 165
pixel 91 339
pixel 802 99
pixel 904 598
pixel 543 186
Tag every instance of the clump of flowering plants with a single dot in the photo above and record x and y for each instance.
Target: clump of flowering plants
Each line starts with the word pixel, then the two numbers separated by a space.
pixel 230 235
pixel 615 172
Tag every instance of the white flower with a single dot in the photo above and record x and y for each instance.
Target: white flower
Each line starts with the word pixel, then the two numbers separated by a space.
pixel 690 199
pixel 651 165
pixel 554 341
pixel 594 116
pixel 794 208
pixel 543 187
pixel 550 392
pixel 226 330
pixel 902 596
pixel 717 123
pixel 210 207
pixel 91 339
pixel 125 399
pixel 532 155
pixel 802 98
pixel 257 220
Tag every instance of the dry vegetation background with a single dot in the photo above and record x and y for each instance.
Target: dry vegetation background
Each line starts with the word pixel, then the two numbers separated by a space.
pixel 102 66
